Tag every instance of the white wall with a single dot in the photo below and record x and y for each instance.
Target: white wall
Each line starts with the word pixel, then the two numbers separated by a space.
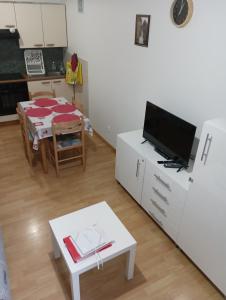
pixel 183 70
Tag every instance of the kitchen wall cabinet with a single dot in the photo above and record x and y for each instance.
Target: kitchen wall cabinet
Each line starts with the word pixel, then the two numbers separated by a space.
pixel 41 25
pixel 29 25
pixel 61 88
pixel 54 25
pixel 7 16
pixel 160 191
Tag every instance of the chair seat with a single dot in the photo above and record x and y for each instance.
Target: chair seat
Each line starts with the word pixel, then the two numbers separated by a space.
pixel 68 142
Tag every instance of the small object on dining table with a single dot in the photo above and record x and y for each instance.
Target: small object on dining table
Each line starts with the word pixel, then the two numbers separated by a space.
pixel 64 108
pixel 45 102
pixel 38 112
pixel 65 118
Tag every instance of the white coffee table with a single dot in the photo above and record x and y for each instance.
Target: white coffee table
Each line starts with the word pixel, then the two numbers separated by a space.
pixel 102 215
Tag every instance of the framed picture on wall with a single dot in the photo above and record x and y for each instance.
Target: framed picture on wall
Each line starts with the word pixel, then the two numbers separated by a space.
pixel 142 30
pixel 80 5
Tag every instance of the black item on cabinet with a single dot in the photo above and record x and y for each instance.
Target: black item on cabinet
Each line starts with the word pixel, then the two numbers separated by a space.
pixel 10 94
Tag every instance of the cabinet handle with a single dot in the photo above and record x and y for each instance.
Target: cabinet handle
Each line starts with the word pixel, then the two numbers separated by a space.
pixel 38 45
pixel 10 26
pixel 50 45
pixel 156 219
pixel 163 182
pixel 160 195
pixel 45 82
pixel 57 81
pixel 162 211
pixel 204 152
pixel 138 168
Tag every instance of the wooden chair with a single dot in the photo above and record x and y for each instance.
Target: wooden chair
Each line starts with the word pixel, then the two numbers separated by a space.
pixel 68 143
pixel 42 94
pixel 27 141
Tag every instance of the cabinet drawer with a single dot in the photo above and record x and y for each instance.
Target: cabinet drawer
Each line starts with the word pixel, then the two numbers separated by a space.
pixel 160 216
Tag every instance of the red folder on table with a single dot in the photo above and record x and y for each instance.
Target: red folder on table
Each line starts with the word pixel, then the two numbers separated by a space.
pixel 74 252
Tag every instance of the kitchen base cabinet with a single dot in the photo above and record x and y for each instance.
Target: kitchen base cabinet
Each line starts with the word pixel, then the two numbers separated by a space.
pixel 160 191
pixel 61 88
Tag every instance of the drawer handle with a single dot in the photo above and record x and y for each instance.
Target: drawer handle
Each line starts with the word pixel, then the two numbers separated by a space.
pixel 162 211
pixel 156 219
pixel 10 26
pixel 45 82
pixel 50 45
pixel 38 45
pixel 160 195
pixel 163 182
pixel 57 81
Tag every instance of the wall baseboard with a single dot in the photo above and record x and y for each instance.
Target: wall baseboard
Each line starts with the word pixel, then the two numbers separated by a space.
pixel 103 139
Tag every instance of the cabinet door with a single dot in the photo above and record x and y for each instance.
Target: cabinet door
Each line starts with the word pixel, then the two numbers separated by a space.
pixel 62 89
pixel 37 86
pixel 202 234
pixel 7 16
pixel 129 169
pixel 54 25
pixel 29 24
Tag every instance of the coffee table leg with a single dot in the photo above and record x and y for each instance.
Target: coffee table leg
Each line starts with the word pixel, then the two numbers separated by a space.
pixel 75 287
pixel 56 249
pixel 130 262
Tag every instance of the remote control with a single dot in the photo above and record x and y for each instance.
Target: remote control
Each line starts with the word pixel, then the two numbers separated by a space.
pixel 172 165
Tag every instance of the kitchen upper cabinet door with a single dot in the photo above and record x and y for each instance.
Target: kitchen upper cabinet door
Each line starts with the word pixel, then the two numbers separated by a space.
pixel 54 25
pixel 62 89
pixel 29 24
pixel 7 16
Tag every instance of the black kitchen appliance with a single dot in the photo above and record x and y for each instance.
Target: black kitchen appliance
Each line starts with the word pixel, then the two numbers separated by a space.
pixel 11 92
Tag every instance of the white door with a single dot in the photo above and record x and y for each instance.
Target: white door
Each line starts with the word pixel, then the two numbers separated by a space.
pixel 54 25
pixel 29 24
pixel 7 16
pixel 129 169
pixel 62 89
pixel 202 234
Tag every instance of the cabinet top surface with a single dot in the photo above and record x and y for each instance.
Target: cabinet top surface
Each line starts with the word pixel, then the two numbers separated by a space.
pixel 135 138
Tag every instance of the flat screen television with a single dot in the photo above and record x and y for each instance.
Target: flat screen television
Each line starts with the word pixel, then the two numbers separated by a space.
pixel 171 136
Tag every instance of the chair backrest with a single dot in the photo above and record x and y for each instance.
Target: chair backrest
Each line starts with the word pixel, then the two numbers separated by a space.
pixel 42 94
pixel 68 127
pixel 25 133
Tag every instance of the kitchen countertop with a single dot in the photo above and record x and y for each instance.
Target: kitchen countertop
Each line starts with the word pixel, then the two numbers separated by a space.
pixel 33 78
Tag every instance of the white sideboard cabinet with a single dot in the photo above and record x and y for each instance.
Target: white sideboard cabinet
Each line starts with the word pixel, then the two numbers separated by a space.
pixel 160 191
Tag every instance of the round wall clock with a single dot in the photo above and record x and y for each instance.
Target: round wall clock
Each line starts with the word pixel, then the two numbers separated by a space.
pixel 181 12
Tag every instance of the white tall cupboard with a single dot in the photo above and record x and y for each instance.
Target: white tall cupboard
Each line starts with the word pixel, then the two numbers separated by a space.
pixel 202 233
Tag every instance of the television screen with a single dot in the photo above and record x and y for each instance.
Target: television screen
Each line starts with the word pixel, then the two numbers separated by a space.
pixel 171 136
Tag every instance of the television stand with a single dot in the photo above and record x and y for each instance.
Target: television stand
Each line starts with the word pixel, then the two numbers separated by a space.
pixel 144 142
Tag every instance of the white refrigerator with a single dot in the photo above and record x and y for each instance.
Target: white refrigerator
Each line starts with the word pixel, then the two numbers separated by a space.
pixel 202 235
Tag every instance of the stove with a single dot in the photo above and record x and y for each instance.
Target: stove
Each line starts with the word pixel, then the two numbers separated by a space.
pixel 10 76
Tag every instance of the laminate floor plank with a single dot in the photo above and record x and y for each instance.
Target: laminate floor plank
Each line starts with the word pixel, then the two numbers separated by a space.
pixel 30 198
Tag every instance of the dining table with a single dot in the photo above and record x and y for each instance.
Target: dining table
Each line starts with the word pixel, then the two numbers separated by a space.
pixel 40 115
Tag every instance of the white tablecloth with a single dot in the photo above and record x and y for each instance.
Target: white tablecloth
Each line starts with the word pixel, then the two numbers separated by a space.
pixel 41 127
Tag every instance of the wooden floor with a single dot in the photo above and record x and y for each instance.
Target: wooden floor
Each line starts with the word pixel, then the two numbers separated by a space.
pixel 29 200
